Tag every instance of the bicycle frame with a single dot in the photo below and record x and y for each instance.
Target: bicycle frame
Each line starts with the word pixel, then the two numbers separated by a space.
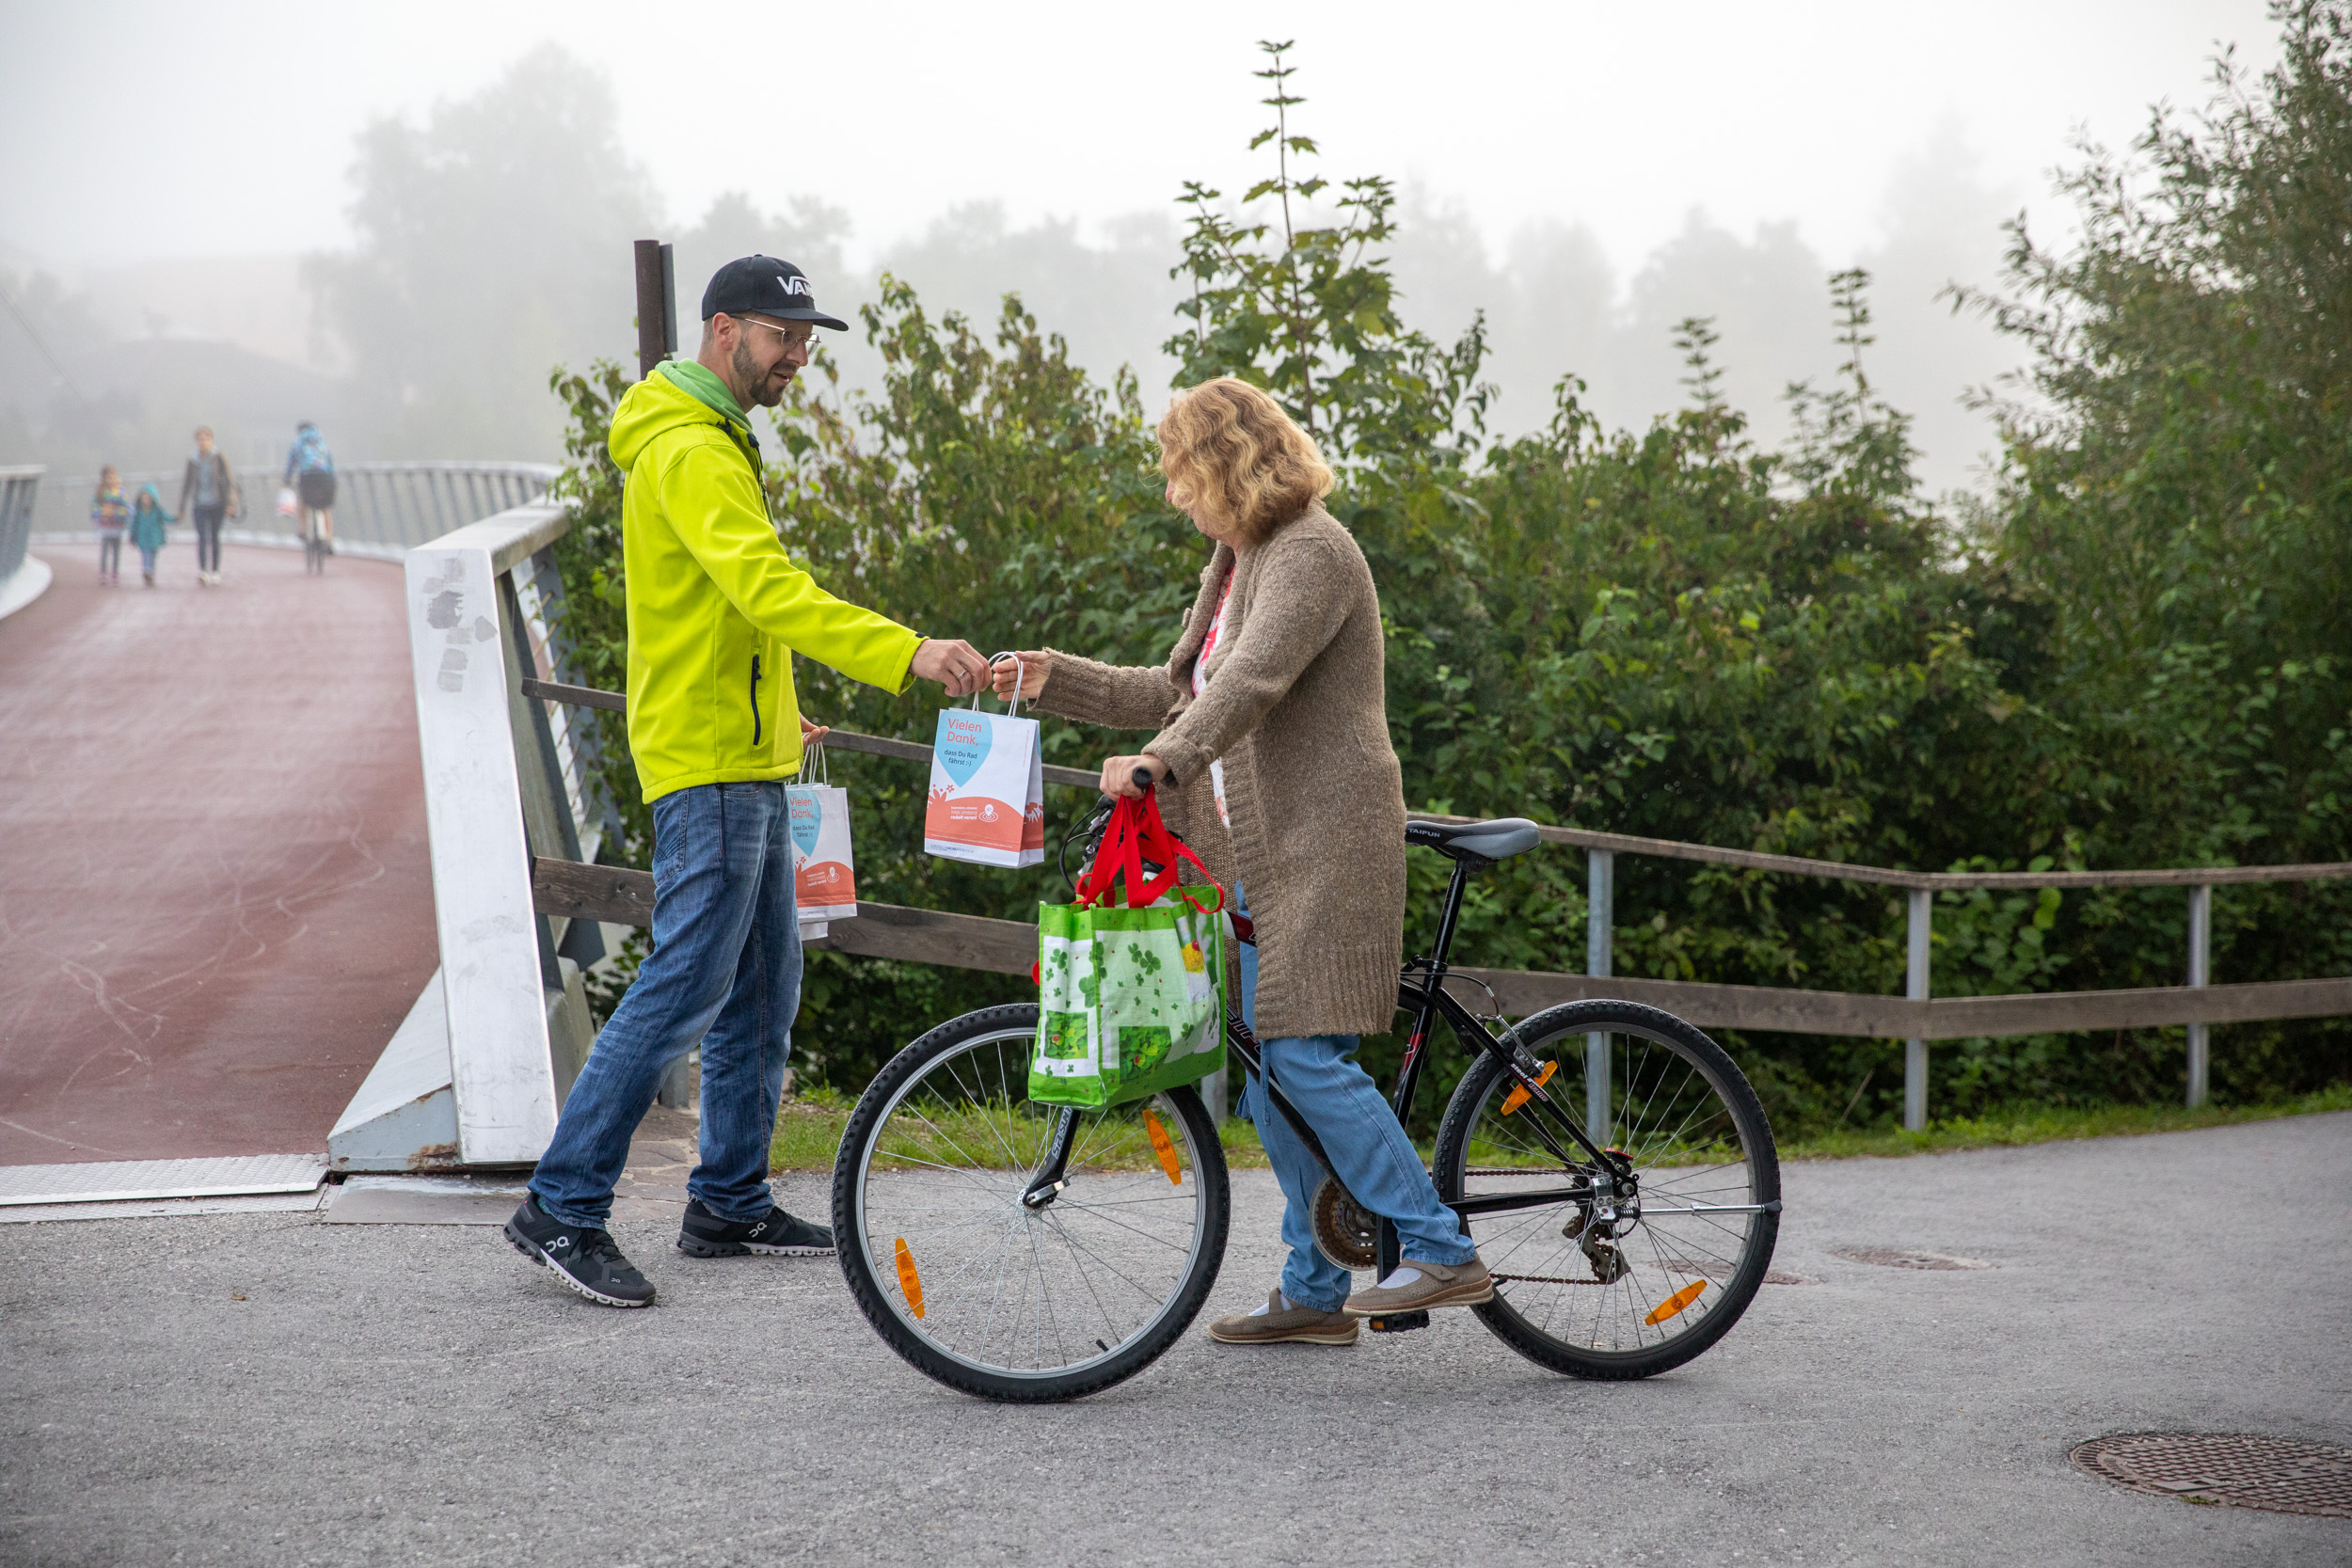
pixel 1429 1002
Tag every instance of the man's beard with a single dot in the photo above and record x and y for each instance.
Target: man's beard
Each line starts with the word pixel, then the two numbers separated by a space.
pixel 762 391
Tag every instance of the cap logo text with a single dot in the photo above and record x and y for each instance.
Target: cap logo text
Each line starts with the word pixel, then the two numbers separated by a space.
pixel 793 285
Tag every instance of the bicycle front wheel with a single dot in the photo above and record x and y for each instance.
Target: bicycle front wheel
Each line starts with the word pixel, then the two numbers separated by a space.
pixel 1631 1280
pixel 1024 1301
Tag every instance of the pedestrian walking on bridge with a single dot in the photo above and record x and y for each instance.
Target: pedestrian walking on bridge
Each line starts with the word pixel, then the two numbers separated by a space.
pixel 148 535
pixel 716 610
pixel 109 515
pixel 208 494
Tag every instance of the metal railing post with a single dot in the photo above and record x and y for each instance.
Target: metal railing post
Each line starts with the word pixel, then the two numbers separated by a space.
pixel 1915 1052
pixel 2200 973
pixel 20 491
pixel 1600 921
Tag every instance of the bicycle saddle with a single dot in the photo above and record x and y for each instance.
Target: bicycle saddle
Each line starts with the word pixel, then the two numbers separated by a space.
pixel 1485 841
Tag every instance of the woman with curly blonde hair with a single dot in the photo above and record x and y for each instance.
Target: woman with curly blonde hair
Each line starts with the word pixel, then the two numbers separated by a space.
pixel 1273 760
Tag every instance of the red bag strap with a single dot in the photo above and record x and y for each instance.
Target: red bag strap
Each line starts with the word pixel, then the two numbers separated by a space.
pixel 1117 846
pixel 1156 843
pixel 1137 832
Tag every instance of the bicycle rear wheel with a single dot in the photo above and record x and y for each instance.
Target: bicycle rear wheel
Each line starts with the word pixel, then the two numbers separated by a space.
pixel 989 1294
pixel 1605 1284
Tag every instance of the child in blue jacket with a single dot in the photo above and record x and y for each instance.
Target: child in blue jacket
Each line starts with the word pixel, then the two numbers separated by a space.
pixel 147 530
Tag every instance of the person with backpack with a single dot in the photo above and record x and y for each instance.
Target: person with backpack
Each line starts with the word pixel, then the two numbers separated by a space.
pixel 109 514
pixel 310 471
pixel 208 494
pixel 147 530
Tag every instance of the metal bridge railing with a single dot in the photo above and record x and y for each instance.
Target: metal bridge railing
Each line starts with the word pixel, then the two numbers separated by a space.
pixel 381 509
pixel 20 488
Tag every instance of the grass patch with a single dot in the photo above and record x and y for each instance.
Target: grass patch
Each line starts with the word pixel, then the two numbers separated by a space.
pixel 808 1133
pixel 2041 1124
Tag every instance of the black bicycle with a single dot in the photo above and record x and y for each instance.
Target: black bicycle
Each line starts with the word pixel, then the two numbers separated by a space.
pixel 1612 1163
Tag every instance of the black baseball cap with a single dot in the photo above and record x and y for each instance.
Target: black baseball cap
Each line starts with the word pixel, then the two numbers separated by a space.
pixel 761 285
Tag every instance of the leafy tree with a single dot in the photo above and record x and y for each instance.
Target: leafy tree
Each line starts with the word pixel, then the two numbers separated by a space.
pixel 1309 314
pixel 477 267
pixel 2177 513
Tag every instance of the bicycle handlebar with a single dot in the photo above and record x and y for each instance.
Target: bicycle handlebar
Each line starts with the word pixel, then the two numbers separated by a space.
pixel 1143 777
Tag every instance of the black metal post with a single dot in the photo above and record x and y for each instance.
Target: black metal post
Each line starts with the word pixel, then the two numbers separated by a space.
pixel 657 310
pixel 669 297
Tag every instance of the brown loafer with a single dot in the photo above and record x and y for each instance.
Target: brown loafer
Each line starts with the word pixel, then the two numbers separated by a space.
pixel 1282 1324
pixel 1416 1286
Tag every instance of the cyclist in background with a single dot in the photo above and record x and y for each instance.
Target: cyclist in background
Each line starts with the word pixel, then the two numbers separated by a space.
pixel 311 470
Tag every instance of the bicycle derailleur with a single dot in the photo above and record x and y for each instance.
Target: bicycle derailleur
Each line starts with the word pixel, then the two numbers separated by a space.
pixel 1602 1220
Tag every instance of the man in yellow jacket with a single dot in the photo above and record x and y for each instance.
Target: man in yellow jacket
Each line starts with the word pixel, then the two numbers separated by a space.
pixel 716 610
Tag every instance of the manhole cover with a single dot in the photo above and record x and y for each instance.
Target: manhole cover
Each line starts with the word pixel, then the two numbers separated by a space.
pixel 2228 1469
pixel 1889 1257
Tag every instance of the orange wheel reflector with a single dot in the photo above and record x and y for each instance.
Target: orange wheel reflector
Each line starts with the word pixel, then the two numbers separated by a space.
pixel 1163 1148
pixel 1518 1097
pixel 909 1281
pixel 1666 1308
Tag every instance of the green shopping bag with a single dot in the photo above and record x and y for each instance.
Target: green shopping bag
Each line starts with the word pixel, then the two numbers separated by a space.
pixel 1131 1000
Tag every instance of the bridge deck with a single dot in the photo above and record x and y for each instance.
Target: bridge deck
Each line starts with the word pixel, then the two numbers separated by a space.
pixel 215 900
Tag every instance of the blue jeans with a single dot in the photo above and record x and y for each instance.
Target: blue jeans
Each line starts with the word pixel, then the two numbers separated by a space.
pixel 1322 1080
pixel 725 970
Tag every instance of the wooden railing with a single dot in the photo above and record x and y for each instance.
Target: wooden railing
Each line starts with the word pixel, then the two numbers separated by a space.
pixel 1007 946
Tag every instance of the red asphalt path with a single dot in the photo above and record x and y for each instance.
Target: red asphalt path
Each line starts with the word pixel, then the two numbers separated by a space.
pixel 215 900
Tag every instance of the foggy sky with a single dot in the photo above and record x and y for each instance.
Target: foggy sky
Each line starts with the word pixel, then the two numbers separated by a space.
pixel 1586 173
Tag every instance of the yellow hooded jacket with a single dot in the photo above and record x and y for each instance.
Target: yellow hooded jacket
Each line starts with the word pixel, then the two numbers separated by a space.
pixel 716 608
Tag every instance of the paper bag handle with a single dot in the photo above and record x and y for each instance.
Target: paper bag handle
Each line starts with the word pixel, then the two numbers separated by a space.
pixel 1012 706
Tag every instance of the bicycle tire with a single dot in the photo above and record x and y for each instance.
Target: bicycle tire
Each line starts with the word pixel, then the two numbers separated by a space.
pixel 1687 1331
pixel 869 1256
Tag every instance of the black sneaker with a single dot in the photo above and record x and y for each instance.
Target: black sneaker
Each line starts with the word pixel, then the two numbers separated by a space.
pixel 585 1260
pixel 705 1235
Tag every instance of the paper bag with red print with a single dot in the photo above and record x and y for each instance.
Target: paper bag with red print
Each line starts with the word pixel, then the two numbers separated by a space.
pixel 824 874
pixel 987 799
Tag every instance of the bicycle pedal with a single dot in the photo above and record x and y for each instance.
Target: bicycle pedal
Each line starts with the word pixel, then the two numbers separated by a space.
pixel 1398 1322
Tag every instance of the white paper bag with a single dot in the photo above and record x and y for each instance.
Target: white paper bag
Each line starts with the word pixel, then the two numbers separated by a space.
pixel 824 875
pixel 988 790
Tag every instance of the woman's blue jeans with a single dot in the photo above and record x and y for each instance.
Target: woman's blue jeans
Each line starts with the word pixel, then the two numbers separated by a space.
pixel 1320 1077
pixel 725 970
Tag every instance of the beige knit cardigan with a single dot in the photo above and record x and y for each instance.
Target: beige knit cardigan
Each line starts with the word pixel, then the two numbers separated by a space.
pixel 1296 705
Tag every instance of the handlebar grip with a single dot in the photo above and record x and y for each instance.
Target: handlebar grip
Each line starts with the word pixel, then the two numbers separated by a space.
pixel 1143 777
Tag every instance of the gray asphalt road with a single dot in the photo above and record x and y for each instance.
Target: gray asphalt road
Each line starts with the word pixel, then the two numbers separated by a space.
pixel 266 1389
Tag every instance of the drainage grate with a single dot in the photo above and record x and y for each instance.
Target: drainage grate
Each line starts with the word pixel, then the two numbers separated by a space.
pixel 2231 1470
pixel 1888 1257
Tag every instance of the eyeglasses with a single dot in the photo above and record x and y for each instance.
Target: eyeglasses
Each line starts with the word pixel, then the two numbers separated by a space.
pixel 804 339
